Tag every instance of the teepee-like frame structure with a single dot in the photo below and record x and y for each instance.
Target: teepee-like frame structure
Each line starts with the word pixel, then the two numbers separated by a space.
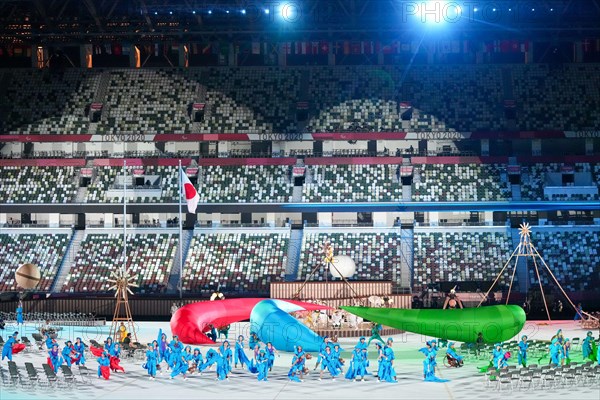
pixel 527 249
pixel 121 283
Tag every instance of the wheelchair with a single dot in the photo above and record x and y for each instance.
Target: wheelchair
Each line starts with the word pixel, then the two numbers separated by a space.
pixel 451 362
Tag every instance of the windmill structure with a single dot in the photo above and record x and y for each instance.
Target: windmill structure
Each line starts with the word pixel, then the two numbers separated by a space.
pixel 122 281
pixel 527 249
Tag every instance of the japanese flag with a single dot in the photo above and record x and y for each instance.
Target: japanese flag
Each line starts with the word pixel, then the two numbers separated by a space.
pixel 189 191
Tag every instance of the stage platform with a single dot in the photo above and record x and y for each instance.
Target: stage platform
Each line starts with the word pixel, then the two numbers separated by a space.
pixel 465 383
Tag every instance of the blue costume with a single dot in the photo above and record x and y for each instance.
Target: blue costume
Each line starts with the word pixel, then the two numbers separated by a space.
pixel 224 364
pixel 429 364
pixel 324 344
pixel 586 346
pixel 452 353
pixel 20 314
pixel 163 348
pixel 328 362
pixel 109 345
pixel 522 355
pixel 252 341
pixel 270 351
pixel 7 348
pixel 335 358
pixel 212 357
pixel 298 362
pixel 262 365
pixel 555 352
pixel 498 357
pixel 54 357
pixel 80 349
pixel 197 359
pixel 66 353
pixel 239 355
pixel 578 313
pixel 213 333
pixel 181 365
pixel 567 351
pixel 49 341
pixel 361 343
pixel 388 373
pixel 151 361
pixel 103 361
pixel 175 349
pixel 357 365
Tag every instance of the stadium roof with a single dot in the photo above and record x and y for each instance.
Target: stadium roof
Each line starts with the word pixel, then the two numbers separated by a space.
pixel 39 21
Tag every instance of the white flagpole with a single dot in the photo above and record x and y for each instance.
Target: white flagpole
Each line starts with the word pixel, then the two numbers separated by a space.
pixel 124 215
pixel 180 230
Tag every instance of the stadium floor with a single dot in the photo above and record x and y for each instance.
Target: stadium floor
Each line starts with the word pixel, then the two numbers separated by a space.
pixel 465 383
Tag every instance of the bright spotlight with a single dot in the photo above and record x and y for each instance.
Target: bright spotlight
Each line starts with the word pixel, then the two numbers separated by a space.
pixel 209 11
pixel 438 11
pixel 266 11
pixel 193 12
pixel 227 11
pixel 243 12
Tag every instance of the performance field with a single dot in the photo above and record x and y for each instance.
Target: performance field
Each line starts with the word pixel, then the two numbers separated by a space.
pixel 467 382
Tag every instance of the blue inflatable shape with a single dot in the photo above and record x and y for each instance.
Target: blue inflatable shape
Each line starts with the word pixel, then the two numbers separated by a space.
pixel 271 321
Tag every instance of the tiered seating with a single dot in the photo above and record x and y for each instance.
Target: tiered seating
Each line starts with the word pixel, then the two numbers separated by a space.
pixel 235 262
pixel 245 184
pixel 376 255
pixel 557 98
pixel 357 116
pixel 573 257
pixel 38 184
pixel 148 101
pixel 45 251
pixel 250 100
pixel 454 182
pixel 106 176
pixel 533 180
pixel 350 183
pixel 41 102
pixel 459 256
pixel 149 256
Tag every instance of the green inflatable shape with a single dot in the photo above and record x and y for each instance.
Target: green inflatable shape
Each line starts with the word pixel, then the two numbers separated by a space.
pixel 496 323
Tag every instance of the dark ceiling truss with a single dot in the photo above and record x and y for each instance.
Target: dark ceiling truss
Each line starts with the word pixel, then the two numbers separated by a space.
pixel 63 21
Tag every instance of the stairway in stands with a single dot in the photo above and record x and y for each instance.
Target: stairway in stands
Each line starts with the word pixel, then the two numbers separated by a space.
pixel 522 275
pixel 68 260
pixel 406 257
pixel 186 240
pixel 293 256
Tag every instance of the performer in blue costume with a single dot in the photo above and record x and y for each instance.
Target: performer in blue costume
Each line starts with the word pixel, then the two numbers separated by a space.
pixel 262 365
pixel 212 357
pixel 253 340
pixel 296 372
pixel 498 357
pixel 336 360
pixel 224 363
pixel 239 355
pixel 451 351
pixel 327 363
pixel 271 351
pixel 388 373
pixel 7 348
pixel 109 345
pixel 522 355
pixel 429 364
pixel 435 350
pixel 357 365
pixel 79 347
pixel 103 366
pixel 151 361
pixel 49 341
pixel 555 352
pixel 69 354
pixel 375 333
pixel 181 365
pixel 197 360
pixel 322 351
pixel 115 358
pixel 212 335
pixel 163 350
pixel 175 350
pixel 362 344
pixel 567 352
pixel 380 355
pixel 587 347
pixel 54 358
pixel 20 313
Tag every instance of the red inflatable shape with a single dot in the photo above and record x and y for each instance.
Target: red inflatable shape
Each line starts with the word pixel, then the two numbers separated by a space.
pixel 17 348
pixel 191 321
